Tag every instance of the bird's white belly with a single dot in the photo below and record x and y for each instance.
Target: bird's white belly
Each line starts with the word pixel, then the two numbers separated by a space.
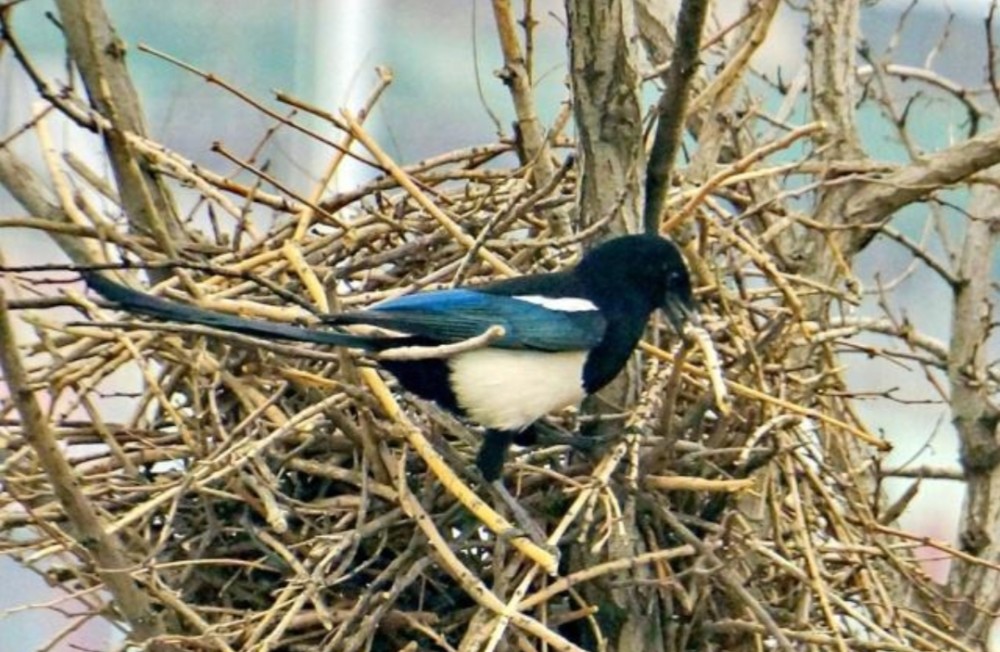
pixel 508 390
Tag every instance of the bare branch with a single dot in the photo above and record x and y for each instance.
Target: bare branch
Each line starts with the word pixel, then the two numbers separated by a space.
pixel 876 201
pixel 671 110
pixel 31 192
pixel 518 79
pixel 99 55
pixel 491 334
pixel 974 416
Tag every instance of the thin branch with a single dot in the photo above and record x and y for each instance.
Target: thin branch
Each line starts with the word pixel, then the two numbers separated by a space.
pixel 728 580
pixel 924 473
pixel 212 78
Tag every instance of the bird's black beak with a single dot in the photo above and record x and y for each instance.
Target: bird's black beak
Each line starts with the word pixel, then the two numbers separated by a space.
pixel 680 311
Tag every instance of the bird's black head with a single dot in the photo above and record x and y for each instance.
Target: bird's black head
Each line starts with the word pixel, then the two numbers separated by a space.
pixel 645 271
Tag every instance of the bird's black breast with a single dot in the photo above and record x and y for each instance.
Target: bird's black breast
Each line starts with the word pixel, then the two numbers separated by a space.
pixel 607 359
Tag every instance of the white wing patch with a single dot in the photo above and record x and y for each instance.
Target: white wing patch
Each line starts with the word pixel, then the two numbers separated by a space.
pixel 565 304
pixel 511 389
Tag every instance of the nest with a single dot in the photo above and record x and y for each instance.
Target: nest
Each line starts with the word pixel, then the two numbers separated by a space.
pixel 270 496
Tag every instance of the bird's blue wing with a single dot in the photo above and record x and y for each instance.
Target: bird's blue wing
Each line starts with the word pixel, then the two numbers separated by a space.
pixel 456 315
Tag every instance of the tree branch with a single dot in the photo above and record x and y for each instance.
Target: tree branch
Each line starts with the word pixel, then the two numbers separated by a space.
pixel 29 190
pixel 99 55
pixel 976 419
pixel 605 80
pixel 672 109
pixel 517 78
pixel 876 202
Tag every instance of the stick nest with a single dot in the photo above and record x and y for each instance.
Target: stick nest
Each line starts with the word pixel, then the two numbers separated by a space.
pixel 280 496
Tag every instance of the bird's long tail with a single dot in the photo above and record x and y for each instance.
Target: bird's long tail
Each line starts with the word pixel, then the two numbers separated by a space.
pixel 151 306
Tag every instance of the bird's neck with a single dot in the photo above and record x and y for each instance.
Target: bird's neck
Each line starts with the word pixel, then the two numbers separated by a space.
pixel 612 353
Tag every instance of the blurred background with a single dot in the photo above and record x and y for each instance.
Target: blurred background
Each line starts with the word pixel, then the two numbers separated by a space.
pixel 441 54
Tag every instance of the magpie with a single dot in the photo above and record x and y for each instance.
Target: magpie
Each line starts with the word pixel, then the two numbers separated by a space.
pixel 564 334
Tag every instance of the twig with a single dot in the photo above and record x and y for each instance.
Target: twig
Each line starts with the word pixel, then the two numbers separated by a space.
pixel 244 97
pixel 474 587
pixel 681 483
pixel 739 166
pixel 447 477
pixel 922 472
pixel 404 180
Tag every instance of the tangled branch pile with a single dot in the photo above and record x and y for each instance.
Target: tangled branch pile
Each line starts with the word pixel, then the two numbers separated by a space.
pixel 273 497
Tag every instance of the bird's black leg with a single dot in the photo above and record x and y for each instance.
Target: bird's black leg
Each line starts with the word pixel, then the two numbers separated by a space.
pixel 527 437
pixel 541 433
pixel 493 453
pixel 490 459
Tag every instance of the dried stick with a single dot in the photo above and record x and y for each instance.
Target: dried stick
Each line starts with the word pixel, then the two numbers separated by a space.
pixel 749 392
pixel 230 88
pixel 729 580
pixel 452 483
pixel 473 585
pixel 739 166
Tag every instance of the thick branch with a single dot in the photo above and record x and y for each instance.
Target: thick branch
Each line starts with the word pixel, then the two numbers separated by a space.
pixel 833 37
pixel 672 109
pixel 99 54
pixel 30 191
pixel 607 109
pixel 608 112
pixel 876 202
pixel 976 420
